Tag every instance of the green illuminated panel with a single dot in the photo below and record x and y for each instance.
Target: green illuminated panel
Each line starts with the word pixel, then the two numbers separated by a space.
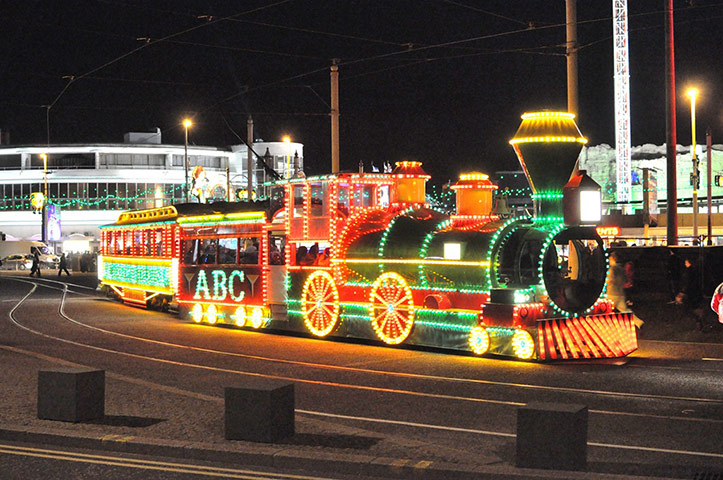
pixel 142 275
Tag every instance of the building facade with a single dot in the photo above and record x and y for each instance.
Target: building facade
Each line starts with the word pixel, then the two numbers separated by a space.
pixel 91 184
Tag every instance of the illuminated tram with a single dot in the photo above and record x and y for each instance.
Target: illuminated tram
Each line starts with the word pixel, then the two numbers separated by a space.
pixel 363 255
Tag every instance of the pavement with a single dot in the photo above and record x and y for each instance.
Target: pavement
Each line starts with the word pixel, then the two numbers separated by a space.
pixel 152 419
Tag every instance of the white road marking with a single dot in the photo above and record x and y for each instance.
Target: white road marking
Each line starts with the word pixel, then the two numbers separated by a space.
pixel 386 373
pixel 174 467
pixel 325 383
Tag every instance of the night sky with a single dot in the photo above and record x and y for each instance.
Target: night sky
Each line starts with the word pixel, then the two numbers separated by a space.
pixel 441 81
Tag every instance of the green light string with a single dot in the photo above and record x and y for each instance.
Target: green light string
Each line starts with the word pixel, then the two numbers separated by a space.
pixel 507 228
pixel 23 202
pixel 444 224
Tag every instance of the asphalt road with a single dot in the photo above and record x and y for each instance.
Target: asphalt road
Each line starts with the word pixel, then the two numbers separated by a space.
pixel 26 462
pixel 658 412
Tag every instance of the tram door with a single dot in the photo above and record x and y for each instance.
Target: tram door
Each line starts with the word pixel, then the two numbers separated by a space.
pixel 277 270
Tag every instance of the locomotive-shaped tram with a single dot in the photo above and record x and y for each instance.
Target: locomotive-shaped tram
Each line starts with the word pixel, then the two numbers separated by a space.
pixel 363 255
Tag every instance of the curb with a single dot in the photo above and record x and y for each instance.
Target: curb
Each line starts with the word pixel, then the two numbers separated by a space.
pixel 281 457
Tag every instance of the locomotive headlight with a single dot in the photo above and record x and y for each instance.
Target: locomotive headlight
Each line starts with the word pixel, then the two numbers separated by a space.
pixel 581 200
pixel 590 206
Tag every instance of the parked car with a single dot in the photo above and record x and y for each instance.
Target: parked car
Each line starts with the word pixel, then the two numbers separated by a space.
pixel 17 262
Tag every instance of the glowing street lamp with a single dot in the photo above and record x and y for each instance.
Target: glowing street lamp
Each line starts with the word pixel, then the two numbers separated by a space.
pixel 287 140
pixel 693 93
pixel 45 193
pixel 186 125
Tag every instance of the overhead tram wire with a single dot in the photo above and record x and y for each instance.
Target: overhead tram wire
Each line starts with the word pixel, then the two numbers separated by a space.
pixel 486 12
pixel 74 78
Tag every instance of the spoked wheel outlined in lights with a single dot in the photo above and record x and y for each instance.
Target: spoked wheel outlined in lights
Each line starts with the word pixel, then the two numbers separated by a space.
pixel 392 308
pixel 320 303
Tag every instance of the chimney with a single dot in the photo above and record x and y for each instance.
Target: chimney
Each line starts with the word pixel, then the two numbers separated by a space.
pixel 411 182
pixel 547 145
pixel 474 194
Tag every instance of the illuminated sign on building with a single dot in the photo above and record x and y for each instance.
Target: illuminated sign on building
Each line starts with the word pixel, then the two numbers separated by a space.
pixel 52 223
pixel 608 231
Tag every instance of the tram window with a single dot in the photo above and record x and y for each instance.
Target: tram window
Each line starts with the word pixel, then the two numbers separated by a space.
pixel 318 192
pixel 118 242
pixel 298 200
pixel 249 251
pixel 342 201
pixel 159 242
pixel 227 248
pixel 277 199
pixel 128 242
pixel 364 196
pixel 384 196
pixel 207 251
pixel 277 250
pixel 563 263
pixel 148 234
pixel 190 252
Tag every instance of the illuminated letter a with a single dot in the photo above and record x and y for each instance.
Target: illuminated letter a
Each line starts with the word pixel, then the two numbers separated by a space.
pixel 201 285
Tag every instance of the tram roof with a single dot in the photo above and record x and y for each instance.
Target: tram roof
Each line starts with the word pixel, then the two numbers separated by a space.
pixel 185 210
pixel 346 176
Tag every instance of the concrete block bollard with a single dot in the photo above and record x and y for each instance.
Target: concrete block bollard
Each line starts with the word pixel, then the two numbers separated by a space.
pixel 259 410
pixel 552 436
pixel 71 394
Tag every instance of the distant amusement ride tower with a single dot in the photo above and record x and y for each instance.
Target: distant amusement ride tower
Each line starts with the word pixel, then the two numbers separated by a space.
pixel 622 100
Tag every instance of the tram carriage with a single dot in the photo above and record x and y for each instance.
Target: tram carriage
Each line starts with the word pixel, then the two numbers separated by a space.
pixel 363 255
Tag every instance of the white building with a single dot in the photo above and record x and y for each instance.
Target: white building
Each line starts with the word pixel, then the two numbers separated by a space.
pixel 93 183
pixel 599 162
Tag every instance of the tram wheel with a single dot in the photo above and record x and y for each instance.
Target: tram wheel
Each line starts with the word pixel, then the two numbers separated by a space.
pixel 320 303
pixel 392 308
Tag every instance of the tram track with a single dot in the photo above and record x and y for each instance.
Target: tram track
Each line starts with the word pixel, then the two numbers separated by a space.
pixel 358 370
pixel 449 428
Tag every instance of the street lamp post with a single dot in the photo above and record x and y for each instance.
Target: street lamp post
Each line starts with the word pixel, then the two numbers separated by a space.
pixel 693 93
pixel 45 199
pixel 186 125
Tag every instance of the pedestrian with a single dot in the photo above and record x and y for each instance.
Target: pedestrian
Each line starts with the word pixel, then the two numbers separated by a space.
pixel 673 271
pixel 716 303
pixel 616 283
pixel 36 264
pixel 63 265
pixel 629 286
pixel 617 287
pixel 690 295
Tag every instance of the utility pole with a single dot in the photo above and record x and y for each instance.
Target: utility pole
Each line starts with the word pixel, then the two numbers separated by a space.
pixel 249 156
pixel 709 146
pixel 334 116
pixel 670 139
pixel 571 55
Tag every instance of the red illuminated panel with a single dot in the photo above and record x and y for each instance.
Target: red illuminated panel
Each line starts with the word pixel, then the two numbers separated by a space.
pixel 558 339
pixel 598 336
pixel 573 328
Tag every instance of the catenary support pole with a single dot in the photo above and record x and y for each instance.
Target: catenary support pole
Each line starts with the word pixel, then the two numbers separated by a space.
pixel 334 117
pixel 670 138
pixel 571 54
pixel 249 156
pixel 709 146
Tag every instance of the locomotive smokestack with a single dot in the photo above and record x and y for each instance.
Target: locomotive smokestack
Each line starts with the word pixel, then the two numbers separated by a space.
pixel 474 194
pixel 547 145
